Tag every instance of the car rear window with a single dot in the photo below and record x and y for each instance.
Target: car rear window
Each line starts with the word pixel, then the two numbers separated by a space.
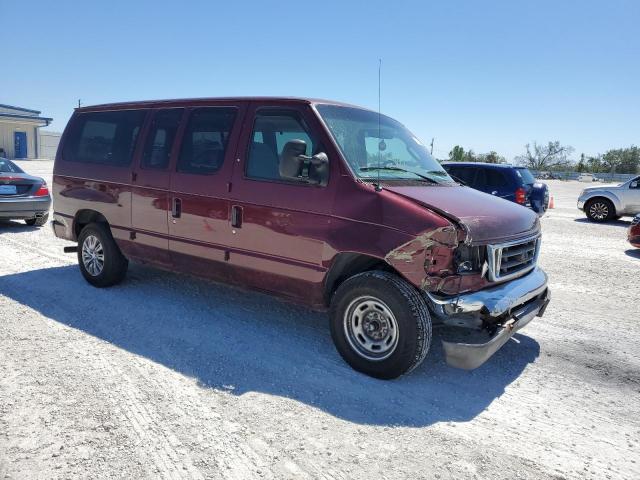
pixel 107 138
pixel 9 167
pixel 525 175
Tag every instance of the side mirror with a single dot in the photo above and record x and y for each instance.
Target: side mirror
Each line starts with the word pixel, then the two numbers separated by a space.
pixel 634 184
pixel 295 165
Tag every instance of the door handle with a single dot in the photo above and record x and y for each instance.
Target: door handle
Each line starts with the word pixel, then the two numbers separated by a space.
pixel 176 208
pixel 236 216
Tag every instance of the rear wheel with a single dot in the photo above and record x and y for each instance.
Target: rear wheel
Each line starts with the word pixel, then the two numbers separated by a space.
pixel 600 210
pixel 380 324
pixel 101 262
pixel 38 221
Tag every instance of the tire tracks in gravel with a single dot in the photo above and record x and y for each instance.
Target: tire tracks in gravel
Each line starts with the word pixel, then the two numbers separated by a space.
pixel 146 424
pixel 239 459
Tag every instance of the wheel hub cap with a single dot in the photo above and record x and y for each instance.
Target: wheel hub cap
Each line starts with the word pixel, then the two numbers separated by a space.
pixel 599 210
pixel 371 328
pixel 93 255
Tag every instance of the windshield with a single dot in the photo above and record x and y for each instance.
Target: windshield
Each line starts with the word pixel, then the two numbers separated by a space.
pixel 378 145
pixel 526 175
pixel 7 166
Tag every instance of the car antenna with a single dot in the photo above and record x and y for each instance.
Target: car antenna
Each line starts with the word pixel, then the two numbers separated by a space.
pixel 378 187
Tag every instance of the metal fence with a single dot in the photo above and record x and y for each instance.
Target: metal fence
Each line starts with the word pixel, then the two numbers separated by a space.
pixel 601 177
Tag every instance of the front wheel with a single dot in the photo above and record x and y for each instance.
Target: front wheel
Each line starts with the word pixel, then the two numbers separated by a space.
pixel 600 210
pixel 380 324
pixel 101 262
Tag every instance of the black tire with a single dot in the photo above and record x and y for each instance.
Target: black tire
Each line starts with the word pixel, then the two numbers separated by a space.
pixel 38 221
pixel 409 312
pixel 599 210
pixel 114 264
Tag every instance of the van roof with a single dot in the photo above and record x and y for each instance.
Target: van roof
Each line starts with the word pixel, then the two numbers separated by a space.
pixel 189 102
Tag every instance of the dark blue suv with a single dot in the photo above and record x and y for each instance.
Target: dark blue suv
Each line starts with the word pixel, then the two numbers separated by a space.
pixel 506 181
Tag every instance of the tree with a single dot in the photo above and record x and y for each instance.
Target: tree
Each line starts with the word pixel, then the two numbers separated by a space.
pixel 622 160
pixel 545 157
pixel 469 156
pixel 457 154
pixel 594 164
pixel 491 157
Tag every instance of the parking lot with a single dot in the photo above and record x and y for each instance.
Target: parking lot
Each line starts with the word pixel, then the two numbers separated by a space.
pixel 167 376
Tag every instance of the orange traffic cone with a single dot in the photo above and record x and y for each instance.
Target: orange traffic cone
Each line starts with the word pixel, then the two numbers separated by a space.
pixel 551 204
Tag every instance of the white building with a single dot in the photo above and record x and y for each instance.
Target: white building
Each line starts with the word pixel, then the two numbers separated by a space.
pixel 20 135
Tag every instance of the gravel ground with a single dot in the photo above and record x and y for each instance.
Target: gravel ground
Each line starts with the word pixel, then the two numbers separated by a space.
pixel 166 376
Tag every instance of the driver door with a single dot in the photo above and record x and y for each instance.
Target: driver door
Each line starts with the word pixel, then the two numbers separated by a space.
pixel 280 227
pixel 632 196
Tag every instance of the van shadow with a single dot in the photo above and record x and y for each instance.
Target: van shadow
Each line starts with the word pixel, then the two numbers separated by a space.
pixel 239 342
pixel 616 223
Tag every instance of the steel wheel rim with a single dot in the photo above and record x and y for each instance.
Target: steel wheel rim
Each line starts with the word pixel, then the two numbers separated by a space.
pixel 92 255
pixel 599 210
pixel 371 328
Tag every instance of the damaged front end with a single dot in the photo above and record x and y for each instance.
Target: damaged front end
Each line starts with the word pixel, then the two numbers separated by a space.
pixel 493 288
pixel 499 311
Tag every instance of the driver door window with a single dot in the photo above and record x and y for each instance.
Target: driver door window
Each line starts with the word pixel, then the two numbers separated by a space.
pixel 271 132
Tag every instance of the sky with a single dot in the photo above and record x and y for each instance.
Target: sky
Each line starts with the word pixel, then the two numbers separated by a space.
pixel 486 75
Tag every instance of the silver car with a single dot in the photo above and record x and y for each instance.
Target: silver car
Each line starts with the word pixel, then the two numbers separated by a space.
pixel 22 196
pixel 606 202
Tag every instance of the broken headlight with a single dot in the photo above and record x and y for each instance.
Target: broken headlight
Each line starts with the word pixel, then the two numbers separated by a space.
pixel 469 258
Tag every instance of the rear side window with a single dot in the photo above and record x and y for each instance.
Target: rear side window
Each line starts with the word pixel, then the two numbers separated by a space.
pixel 107 138
pixel 157 150
pixel 495 178
pixel 466 174
pixel 205 140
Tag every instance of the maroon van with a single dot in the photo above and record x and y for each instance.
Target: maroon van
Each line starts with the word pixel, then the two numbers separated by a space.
pixel 322 203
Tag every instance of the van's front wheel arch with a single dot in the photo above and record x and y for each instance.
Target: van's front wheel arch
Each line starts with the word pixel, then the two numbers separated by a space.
pixel 101 261
pixel 380 324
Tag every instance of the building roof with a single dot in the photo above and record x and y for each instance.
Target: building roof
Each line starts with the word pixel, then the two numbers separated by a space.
pixel 28 118
pixel 20 109
pixel 10 112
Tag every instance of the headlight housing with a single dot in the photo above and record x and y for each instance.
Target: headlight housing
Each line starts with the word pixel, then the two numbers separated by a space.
pixel 469 258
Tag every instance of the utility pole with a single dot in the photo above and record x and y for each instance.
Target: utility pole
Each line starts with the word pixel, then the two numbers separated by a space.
pixel 432 139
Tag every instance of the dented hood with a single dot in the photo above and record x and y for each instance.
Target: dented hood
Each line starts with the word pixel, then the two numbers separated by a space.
pixel 485 217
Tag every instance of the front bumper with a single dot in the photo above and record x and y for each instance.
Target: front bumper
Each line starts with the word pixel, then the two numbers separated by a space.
pixel 24 207
pixel 506 309
pixel 581 204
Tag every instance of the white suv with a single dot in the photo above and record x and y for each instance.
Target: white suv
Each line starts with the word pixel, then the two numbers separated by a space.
pixel 606 202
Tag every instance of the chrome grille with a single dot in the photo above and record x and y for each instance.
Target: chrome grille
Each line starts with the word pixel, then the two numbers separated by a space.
pixel 512 259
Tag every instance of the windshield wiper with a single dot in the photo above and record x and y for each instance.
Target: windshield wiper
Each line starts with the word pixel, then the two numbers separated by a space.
pixel 459 180
pixel 398 169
